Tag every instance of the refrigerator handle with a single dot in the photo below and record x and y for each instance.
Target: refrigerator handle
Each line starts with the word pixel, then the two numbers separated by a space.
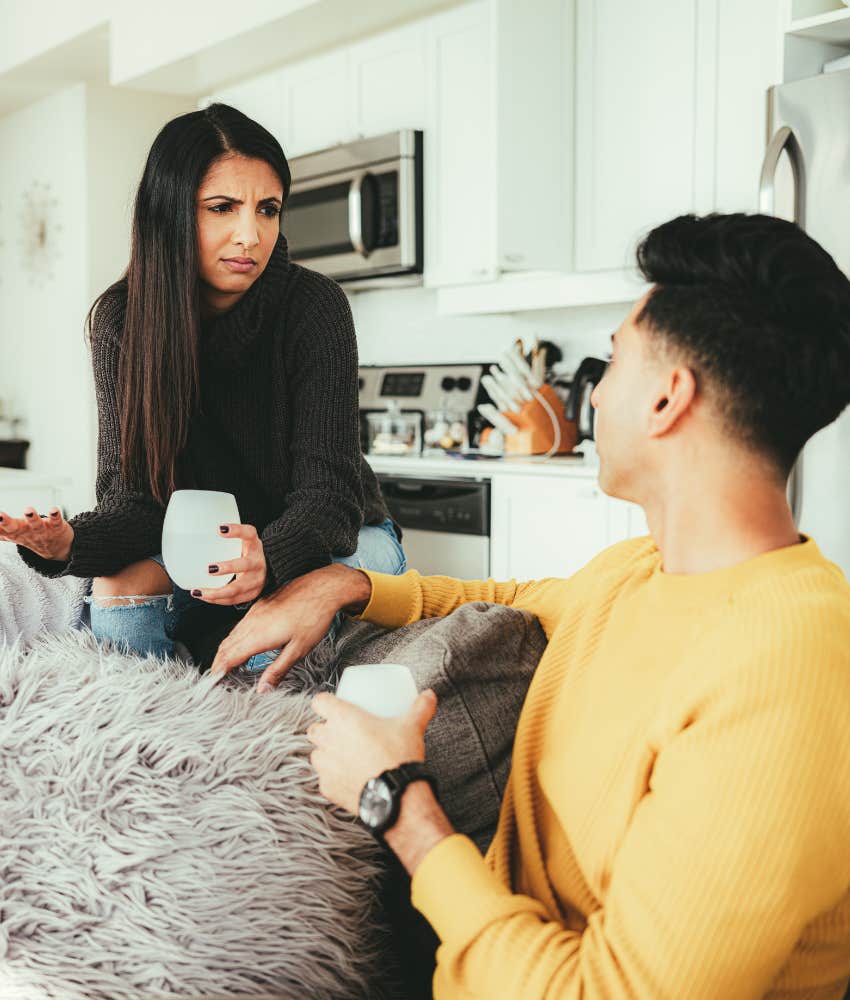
pixel 783 140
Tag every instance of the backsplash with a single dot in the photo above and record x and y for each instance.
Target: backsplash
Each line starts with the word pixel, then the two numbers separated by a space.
pixel 401 326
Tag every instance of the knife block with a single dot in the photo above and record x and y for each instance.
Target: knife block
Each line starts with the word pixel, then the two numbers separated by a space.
pixel 534 433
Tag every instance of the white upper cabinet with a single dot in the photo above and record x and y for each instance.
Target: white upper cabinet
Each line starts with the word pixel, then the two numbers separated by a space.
pixel 636 99
pixel 459 148
pixel 317 106
pixel 388 81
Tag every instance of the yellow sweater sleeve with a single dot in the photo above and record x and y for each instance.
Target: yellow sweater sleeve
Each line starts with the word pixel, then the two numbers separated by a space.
pixel 401 600
pixel 718 874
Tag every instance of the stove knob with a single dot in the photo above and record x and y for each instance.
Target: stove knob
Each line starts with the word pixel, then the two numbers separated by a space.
pixel 464 383
pixel 448 383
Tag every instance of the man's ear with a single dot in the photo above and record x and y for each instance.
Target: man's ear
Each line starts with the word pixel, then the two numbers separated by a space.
pixel 672 402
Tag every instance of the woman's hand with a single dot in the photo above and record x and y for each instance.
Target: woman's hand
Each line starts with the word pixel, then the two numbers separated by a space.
pixel 251 570
pixel 48 535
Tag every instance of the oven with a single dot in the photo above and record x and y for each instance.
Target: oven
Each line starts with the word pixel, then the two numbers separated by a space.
pixel 446 523
pixel 354 211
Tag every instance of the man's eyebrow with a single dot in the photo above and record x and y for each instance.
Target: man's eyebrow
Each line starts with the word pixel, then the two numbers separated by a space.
pixel 236 201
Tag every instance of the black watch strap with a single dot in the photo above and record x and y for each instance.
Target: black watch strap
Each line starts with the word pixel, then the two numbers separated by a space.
pixel 398 778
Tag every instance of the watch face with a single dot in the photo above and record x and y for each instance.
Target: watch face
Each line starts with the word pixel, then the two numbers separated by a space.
pixel 376 802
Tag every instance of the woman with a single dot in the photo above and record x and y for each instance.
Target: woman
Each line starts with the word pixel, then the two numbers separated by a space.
pixel 218 364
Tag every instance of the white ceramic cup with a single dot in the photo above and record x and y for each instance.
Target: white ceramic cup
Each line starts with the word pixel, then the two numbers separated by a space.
pixel 385 689
pixel 191 540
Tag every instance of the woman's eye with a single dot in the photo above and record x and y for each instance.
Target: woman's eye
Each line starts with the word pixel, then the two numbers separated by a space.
pixel 270 211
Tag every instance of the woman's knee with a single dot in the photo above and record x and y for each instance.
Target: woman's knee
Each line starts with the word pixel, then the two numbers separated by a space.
pixel 141 579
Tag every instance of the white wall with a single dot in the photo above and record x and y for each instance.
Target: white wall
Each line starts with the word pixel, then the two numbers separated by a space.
pixel 89 143
pixel 45 367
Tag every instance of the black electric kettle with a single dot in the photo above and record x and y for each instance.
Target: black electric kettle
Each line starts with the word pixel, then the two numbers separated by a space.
pixel 588 374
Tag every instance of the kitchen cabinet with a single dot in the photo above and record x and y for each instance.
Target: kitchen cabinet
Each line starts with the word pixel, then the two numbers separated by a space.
pixel 489 82
pixel 542 528
pixel 387 80
pixel 638 72
pixel 459 148
pixel 554 526
pixel 499 179
pixel 316 103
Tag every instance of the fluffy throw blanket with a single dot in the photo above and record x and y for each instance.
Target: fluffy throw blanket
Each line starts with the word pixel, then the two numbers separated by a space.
pixel 162 837
pixel 31 604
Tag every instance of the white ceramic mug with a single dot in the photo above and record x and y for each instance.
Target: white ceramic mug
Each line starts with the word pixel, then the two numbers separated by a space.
pixel 191 540
pixel 385 689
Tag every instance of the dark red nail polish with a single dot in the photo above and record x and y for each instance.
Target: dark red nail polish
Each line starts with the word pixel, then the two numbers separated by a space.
pixel 223 528
pixel 28 515
pixel 212 569
pixel 196 593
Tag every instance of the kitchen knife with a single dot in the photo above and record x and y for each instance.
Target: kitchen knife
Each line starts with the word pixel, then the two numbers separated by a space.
pixel 506 386
pixel 519 387
pixel 519 366
pixel 502 399
pixel 500 422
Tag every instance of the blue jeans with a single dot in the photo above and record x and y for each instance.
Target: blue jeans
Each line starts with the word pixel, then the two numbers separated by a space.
pixel 148 624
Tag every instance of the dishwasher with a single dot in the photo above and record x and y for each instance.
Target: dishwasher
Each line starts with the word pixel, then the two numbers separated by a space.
pixel 446 523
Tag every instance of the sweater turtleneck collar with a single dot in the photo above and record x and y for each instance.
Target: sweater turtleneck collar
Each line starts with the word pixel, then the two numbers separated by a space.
pixel 226 337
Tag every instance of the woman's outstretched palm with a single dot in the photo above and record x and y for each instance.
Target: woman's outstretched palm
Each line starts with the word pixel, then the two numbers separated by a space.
pixel 48 535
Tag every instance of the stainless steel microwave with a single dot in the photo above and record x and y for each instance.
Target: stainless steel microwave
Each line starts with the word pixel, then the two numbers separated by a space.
pixel 354 211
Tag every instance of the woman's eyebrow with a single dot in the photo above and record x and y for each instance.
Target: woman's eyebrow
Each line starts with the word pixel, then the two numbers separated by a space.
pixel 237 201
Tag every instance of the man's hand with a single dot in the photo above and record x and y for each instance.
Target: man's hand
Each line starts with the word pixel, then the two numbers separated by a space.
pixel 251 569
pixel 294 619
pixel 352 746
pixel 49 536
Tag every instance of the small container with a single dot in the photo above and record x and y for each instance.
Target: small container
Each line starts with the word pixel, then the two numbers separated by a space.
pixel 394 432
pixel 445 431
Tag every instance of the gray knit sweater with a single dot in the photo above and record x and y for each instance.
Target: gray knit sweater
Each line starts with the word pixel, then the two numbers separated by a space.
pixel 277 427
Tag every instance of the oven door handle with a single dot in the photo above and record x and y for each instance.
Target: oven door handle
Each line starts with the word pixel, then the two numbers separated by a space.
pixel 355 213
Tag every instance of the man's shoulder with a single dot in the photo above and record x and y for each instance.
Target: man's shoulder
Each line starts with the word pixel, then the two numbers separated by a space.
pixel 624 558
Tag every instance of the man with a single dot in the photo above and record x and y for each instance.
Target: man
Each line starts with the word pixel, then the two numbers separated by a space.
pixel 677 821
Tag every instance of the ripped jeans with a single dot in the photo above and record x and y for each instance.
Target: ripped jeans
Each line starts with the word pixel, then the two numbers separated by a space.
pixel 151 624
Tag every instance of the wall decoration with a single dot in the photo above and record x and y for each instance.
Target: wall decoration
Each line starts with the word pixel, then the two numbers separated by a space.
pixel 40 230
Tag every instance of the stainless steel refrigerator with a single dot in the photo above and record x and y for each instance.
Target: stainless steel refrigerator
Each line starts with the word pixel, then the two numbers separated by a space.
pixel 806 178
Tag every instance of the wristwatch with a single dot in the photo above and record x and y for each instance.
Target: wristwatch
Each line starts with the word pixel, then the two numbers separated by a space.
pixel 380 800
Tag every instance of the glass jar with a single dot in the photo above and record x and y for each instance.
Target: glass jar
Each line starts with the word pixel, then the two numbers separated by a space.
pixel 445 430
pixel 394 432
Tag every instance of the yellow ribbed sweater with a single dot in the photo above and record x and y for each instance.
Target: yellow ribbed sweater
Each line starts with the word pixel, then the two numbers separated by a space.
pixel 677 819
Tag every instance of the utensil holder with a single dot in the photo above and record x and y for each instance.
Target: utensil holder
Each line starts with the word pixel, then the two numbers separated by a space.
pixel 534 433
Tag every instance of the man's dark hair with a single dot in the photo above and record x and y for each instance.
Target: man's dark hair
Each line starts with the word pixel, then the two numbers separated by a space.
pixel 761 314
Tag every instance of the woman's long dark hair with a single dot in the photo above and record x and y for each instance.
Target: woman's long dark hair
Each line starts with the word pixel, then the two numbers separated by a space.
pixel 158 371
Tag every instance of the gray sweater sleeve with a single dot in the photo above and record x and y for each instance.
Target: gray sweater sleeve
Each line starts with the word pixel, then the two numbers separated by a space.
pixel 323 511
pixel 126 525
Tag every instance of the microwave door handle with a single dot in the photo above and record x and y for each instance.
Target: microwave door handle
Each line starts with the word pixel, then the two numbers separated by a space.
pixel 355 213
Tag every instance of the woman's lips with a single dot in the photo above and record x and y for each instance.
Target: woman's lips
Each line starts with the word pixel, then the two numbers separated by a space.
pixel 239 264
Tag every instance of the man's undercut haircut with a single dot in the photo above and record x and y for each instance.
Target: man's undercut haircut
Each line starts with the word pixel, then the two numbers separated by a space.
pixel 761 314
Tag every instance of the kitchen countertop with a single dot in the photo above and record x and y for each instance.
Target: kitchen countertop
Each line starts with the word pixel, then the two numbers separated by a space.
pixel 485 468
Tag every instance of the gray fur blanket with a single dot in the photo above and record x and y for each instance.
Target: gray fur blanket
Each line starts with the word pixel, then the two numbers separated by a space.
pixel 161 837
pixel 31 604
